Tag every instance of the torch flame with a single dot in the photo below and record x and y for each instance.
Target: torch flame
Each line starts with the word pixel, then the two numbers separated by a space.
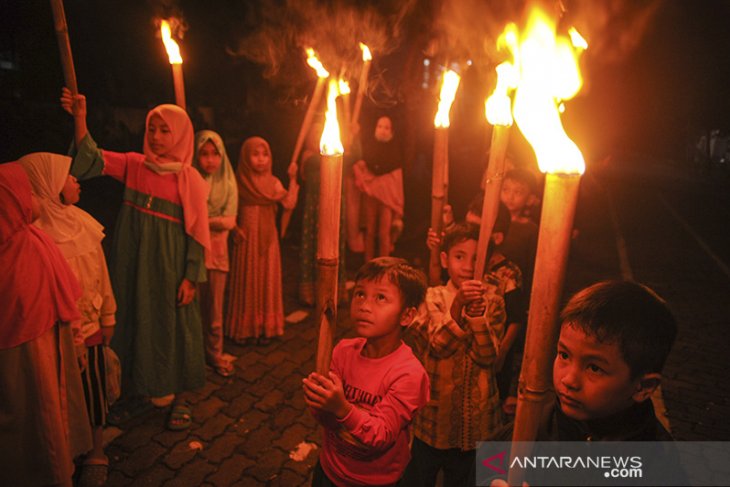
pixel 578 41
pixel 448 92
pixel 316 64
pixel 498 106
pixel 549 73
pixel 366 55
pixel 173 50
pixel 344 87
pixel 330 144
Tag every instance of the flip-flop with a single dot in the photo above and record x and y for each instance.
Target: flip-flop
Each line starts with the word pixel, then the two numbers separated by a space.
pixel 225 370
pixel 180 418
pixel 94 473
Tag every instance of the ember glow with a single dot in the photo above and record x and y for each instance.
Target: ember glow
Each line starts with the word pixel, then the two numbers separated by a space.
pixel 316 64
pixel 366 55
pixel 331 144
pixel 549 74
pixel 449 86
pixel 173 50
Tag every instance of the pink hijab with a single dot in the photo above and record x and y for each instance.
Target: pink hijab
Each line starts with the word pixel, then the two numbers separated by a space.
pixel 37 286
pixel 192 187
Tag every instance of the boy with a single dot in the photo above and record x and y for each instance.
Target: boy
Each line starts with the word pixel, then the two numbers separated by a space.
pixel 375 385
pixel 518 194
pixel 458 334
pixel 614 339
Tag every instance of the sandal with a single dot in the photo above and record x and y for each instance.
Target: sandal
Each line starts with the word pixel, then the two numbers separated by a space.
pixel 181 417
pixel 226 370
pixel 94 472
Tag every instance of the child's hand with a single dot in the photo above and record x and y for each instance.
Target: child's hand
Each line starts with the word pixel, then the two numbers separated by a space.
pixel 326 393
pixel 292 171
pixel 476 308
pixel 74 105
pixel 433 241
pixel 185 293
pixel 82 356
pixel 470 291
pixel 107 332
pixel 238 235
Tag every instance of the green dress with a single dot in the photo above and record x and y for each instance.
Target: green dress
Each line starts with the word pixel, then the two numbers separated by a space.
pixel 160 345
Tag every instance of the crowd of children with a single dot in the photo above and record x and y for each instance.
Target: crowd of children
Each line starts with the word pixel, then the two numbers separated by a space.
pixel 432 372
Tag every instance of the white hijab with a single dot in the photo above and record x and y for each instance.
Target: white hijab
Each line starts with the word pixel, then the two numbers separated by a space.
pixel 74 231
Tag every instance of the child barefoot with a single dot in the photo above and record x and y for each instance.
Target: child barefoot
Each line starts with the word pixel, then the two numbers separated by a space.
pixel 212 162
pixel 375 385
pixel 157 254
pixel 255 308
pixel 79 237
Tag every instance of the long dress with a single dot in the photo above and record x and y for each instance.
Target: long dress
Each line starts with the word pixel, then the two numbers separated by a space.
pixel 160 345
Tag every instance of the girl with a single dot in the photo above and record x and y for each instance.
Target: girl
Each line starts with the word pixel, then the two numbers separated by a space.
pixel 43 422
pixel 157 254
pixel 255 303
pixel 212 162
pixel 79 236
pixel 380 177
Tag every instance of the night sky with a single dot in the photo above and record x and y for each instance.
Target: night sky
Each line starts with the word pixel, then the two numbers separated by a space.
pixel 655 98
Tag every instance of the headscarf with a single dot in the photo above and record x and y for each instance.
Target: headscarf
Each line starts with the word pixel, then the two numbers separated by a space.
pixel 192 188
pixel 74 231
pixel 36 284
pixel 259 189
pixel 223 196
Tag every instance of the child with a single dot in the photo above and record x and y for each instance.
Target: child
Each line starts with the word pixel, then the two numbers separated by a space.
pixel 212 162
pixel 79 237
pixel 157 254
pixel 380 177
pixel 255 304
pixel 375 385
pixel 518 194
pixel 458 333
pixel 41 398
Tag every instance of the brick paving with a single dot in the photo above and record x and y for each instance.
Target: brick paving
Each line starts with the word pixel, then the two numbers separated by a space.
pixel 245 427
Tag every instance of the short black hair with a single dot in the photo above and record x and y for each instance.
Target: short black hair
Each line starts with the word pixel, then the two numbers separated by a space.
pixel 630 314
pixel 459 233
pixel 524 176
pixel 502 223
pixel 410 281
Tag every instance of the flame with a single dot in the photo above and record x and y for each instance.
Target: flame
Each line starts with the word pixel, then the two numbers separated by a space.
pixel 498 106
pixel 366 55
pixel 549 74
pixel 330 144
pixel 344 87
pixel 448 92
pixel 173 50
pixel 578 41
pixel 316 64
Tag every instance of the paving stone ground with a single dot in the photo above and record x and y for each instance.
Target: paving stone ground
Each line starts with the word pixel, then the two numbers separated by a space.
pixel 245 427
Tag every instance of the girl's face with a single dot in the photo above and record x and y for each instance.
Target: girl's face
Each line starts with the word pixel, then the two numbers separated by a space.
pixel 260 159
pixel 159 136
pixel 209 158
pixel 71 191
pixel 384 130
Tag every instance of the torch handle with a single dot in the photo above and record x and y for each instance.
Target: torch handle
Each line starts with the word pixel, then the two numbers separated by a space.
pixel 438 197
pixel 361 89
pixel 64 45
pixel 308 117
pixel 179 85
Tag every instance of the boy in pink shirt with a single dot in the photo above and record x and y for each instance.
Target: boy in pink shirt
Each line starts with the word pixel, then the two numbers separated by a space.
pixel 375 384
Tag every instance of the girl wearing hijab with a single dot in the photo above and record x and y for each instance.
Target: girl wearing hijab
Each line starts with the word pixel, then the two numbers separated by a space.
pixel 157 254
pixel 43 421
pixel 380 177
pixel 255 311
pixel 212 162
pixel 79 237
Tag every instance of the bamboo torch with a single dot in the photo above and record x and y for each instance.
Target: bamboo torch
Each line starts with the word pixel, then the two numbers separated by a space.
pixel 362 87
pixel 322 75
pixel 173 54
pixel 549 73
pixel 498 108
pixel 449 86
pixel 328 235
pixel 344 88
pixel 64 45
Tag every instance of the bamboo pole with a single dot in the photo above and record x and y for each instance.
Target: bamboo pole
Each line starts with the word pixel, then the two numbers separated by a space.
pixel 492 188
pixel 361 89
pixel 438 197
pixel 179 85
pixel 553 244
pixel 64 45
pixel 328 246
pixel 303 131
